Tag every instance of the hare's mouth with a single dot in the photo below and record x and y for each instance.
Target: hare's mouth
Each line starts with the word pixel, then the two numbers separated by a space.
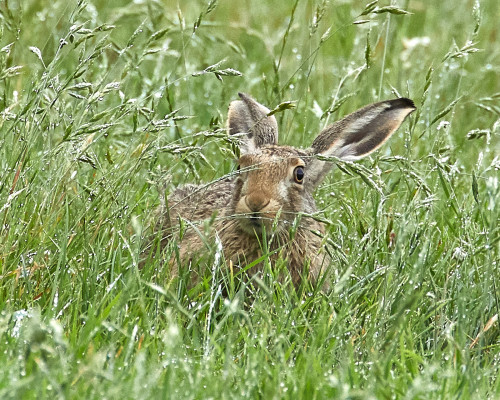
pixel 252 223
pixel 256 223
pixel 255 219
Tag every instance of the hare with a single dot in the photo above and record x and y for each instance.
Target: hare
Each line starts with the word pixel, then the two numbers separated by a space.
pixel 264 209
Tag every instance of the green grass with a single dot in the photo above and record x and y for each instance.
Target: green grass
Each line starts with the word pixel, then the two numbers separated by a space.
pixel 103 110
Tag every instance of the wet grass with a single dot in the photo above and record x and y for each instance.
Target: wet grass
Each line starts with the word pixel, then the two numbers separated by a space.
pixel 106 106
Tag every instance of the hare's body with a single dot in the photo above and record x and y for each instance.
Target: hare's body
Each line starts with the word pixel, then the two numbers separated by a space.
pixel 240 232
pixel 266 209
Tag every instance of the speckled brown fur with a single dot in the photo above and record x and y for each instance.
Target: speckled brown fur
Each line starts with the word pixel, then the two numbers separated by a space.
pixel 273 186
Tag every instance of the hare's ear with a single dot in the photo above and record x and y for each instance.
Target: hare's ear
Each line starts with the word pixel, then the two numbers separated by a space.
pixel 249 119
pixel 359 134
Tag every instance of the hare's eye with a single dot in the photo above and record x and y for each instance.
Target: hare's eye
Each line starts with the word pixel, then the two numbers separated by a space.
pixel 298 174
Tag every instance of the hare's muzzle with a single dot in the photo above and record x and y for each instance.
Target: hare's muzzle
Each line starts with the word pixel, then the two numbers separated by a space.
pixel 256 202
pixel 255 210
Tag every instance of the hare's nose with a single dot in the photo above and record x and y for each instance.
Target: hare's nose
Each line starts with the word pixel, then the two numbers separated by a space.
pixel 256 201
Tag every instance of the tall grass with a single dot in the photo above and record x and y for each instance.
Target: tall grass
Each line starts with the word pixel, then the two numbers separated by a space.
pixel 106 107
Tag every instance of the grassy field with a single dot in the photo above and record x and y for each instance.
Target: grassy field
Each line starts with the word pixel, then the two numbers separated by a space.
pixel 107 105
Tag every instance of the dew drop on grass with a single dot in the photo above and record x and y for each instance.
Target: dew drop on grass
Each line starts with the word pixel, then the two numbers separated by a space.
pixel 18 317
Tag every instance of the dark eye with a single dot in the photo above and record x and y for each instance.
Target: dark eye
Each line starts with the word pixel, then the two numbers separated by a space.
pixel 298 174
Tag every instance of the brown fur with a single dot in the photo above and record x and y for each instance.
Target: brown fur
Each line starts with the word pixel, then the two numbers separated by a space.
pixel 266 196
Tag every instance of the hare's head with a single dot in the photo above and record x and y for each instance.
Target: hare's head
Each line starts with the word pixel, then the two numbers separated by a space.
pixel 271 187
pixel 276 182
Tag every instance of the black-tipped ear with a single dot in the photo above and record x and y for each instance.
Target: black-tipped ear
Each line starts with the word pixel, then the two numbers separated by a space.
pixel 363 131
pixel 249 118
pixel 359 134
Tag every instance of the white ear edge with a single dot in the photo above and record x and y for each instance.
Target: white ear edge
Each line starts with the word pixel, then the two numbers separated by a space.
pixel 357 135
pixel 346 152
pixel 363 131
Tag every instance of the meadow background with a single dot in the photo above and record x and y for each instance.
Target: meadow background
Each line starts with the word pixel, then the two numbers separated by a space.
pixel 107 105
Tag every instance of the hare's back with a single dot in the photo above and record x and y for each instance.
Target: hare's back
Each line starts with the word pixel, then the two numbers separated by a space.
pixel 199 202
